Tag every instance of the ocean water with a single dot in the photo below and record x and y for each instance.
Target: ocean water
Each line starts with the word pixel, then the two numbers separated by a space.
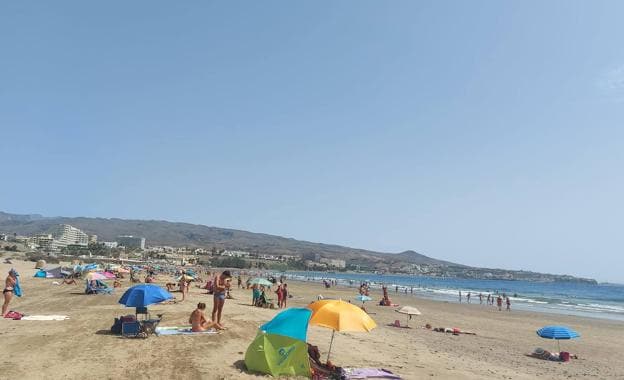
pixel 598 301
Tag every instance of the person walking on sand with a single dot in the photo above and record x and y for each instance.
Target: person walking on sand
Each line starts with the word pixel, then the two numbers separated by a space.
pixel 499 303
pixel 460 296
pixel 508 301
pixel 183 287
pixel 221 285
pixel 198 319
pixel 10 287
pixel 239 280
pixel 480 299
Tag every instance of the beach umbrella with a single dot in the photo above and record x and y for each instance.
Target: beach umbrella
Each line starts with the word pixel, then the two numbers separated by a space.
pixel 363 298
pixel 109 275
pixel 339 315
pixel 144 295
pixel 95 276
pixel 558 333
pixel 291 322
pixel 260 281
pixel 409 311
pixel 122 270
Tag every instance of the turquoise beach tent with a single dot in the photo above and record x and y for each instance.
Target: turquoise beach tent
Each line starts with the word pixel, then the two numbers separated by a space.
pixel 49 273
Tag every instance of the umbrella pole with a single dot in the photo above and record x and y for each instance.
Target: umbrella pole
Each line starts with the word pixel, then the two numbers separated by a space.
pixel 558 346
pixel 330 344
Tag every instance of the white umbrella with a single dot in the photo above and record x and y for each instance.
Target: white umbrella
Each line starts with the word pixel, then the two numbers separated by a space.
pixel 409 310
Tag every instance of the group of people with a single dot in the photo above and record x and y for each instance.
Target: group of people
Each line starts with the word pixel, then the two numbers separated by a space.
pixel 260 299
pixel 490 300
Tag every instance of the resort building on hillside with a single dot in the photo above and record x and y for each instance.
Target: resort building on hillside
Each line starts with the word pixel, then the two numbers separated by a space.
pixel 67 235
pixel 130 241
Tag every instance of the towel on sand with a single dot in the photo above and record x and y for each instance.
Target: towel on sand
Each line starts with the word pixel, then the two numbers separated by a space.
pixel 45 318
pixel 368 373
pixel 181 330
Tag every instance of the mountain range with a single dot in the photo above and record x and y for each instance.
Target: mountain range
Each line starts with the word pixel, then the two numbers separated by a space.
pixel 160 232
pixel 164 233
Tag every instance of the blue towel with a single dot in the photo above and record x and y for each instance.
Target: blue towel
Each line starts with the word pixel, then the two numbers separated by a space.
pixel 17 290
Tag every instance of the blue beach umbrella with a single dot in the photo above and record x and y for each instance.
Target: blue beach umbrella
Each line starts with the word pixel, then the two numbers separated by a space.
pixel 144 295
pixel 291 322
pixel 363 298
pixel 558 333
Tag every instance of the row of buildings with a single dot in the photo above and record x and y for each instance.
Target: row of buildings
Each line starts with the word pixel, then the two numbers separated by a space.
pixel 64 236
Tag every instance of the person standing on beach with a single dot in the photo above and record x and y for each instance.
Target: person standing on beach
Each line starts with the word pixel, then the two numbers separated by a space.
pixel 508 301
pixel 239 280
pixel 221 285
pixel 460 296
pixel 480 299
pixel 499 303
pixel 278 291
pixel 468 297
pixel 9 290
pixel 488 299
pixel 284 295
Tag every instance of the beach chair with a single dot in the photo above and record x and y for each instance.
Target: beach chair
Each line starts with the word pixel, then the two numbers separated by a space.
pixel 131 329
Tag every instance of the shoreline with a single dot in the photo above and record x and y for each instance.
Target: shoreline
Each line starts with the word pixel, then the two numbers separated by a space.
pixel 538 303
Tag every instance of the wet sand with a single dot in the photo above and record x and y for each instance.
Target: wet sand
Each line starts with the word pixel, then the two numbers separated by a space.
pixel 81 347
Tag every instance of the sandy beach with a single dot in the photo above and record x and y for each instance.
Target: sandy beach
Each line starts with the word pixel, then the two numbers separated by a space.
pixel 81 347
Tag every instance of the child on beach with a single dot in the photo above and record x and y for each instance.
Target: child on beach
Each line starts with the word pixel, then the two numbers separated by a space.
pixel 499 303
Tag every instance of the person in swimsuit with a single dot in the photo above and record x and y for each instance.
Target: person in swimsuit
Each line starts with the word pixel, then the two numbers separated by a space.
pixel 198 319
pixel 9 286
pixel 284 295
pixel 221 284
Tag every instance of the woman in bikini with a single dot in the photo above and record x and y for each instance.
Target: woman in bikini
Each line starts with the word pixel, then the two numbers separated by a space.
pixel 9 289
pixel 221 285
pixel 198 319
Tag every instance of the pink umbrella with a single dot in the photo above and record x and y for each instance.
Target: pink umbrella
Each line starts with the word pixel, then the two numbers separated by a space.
pixel 95 276
pixel 109 275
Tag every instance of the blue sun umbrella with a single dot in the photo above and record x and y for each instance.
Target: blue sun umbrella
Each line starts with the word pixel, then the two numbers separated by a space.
pixel 144 295
pixel 363 298
pixel 558 333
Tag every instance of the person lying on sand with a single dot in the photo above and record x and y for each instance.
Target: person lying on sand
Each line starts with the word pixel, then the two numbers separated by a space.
pixel 198 319
pixel 70 281
pixel 317 367
pixel 454 330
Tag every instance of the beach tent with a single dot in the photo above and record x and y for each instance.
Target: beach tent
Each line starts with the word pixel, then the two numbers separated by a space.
pixel 278 355
pixel 49 273
pixel 280 347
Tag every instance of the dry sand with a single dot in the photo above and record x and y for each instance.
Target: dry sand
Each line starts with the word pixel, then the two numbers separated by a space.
pixel 80 348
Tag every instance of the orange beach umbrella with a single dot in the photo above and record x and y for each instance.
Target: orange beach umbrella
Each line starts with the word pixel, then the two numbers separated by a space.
pixel 339 315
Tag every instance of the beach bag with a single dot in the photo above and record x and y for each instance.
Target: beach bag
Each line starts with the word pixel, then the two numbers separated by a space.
pixel 116 327
pixel 14 315
pixel 564 356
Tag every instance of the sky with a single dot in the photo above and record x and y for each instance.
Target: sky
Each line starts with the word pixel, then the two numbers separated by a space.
pixel 486 133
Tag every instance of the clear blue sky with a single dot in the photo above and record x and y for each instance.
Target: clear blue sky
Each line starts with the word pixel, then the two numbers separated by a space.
pixel 487 133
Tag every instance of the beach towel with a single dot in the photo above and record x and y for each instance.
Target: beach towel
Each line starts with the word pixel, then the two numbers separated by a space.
pixel 45 318
pixel 368 373
pixel 181 330
pixel 17 289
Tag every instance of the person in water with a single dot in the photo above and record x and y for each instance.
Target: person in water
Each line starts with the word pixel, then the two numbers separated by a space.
pixel 221 285
pixel 198 319
pixel 9 290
